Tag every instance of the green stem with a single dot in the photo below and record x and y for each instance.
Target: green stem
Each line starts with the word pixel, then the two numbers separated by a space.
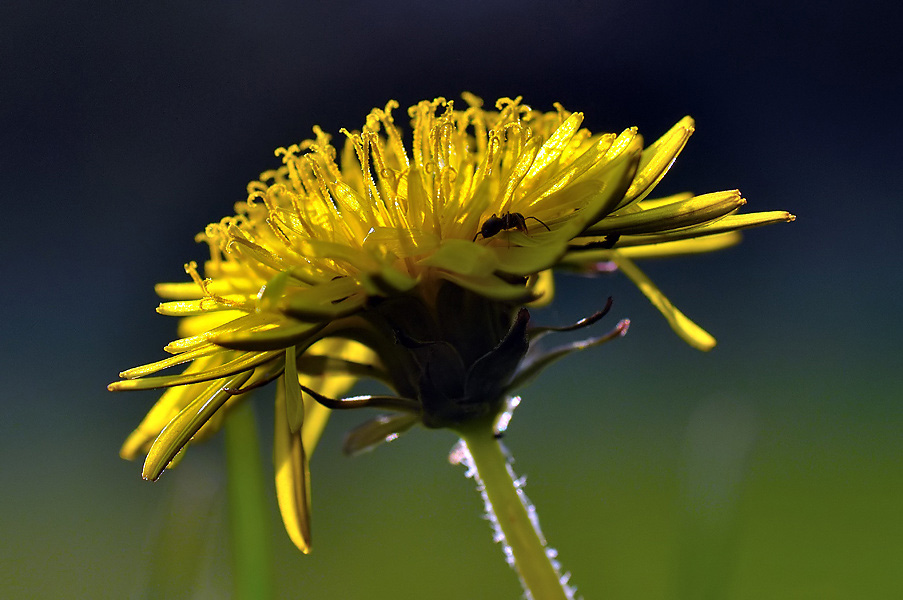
pixel 538 574
pixel 249 516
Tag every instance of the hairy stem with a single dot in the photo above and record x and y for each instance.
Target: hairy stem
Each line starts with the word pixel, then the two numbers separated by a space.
pixel 514 519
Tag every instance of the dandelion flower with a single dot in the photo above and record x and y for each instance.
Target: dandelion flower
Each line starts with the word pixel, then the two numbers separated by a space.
pixel 414 264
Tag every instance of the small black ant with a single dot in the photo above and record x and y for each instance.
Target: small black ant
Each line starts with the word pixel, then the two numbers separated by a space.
pixel 508 220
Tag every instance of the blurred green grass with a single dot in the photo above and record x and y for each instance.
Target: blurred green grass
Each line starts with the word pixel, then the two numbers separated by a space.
pixel 810 507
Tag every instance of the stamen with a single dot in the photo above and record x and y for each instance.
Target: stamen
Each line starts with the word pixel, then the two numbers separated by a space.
pixel 192 269
pixel 392 132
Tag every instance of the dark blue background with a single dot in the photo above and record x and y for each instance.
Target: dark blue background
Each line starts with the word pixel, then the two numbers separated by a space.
pixel 767 468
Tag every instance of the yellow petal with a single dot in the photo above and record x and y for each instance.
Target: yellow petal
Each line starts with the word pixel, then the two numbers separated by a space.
pixel 204 351
pixel 657 160
pixel 355 211
pixel 192 326
pixel 294 404
pixel 329 384
pixel 731 223
pixel 387 282
pixel 213 425
pixel 400 241
pixel 527 261
pixel 694 211
pixel 178 431
pixel 185 308
pixel 721 229
pixel 471 214
pixel 655 202
pixel 190 290
pixel 521 167
pixel 592 156
pixel 199 336
pixel 563 203
pixel 544 289
pixel 492 287
pixel 324 300
pixel 327 311
pixel 288 333
pixel 709 243
pixel 249 252
pixel 269 293
pixel 292 476
pixel 179 291
pixel 633 249
pixel 315 418
pixel 736 222
pixel 419 206
pixel 551 150
pixel 463 257
pixel 245 361
pixel 166 408
pixel 689 331
pixel 316 248
pixel 615 176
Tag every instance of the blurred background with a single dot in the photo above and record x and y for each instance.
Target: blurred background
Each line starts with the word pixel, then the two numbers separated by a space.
pixel 768 468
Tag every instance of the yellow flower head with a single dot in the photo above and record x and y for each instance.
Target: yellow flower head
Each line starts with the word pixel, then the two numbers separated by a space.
pixel 412 265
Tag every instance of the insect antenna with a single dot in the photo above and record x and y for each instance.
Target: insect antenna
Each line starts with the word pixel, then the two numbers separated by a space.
pixel 538 221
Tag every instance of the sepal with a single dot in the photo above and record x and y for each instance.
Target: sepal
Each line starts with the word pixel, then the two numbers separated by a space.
pixel 376 431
